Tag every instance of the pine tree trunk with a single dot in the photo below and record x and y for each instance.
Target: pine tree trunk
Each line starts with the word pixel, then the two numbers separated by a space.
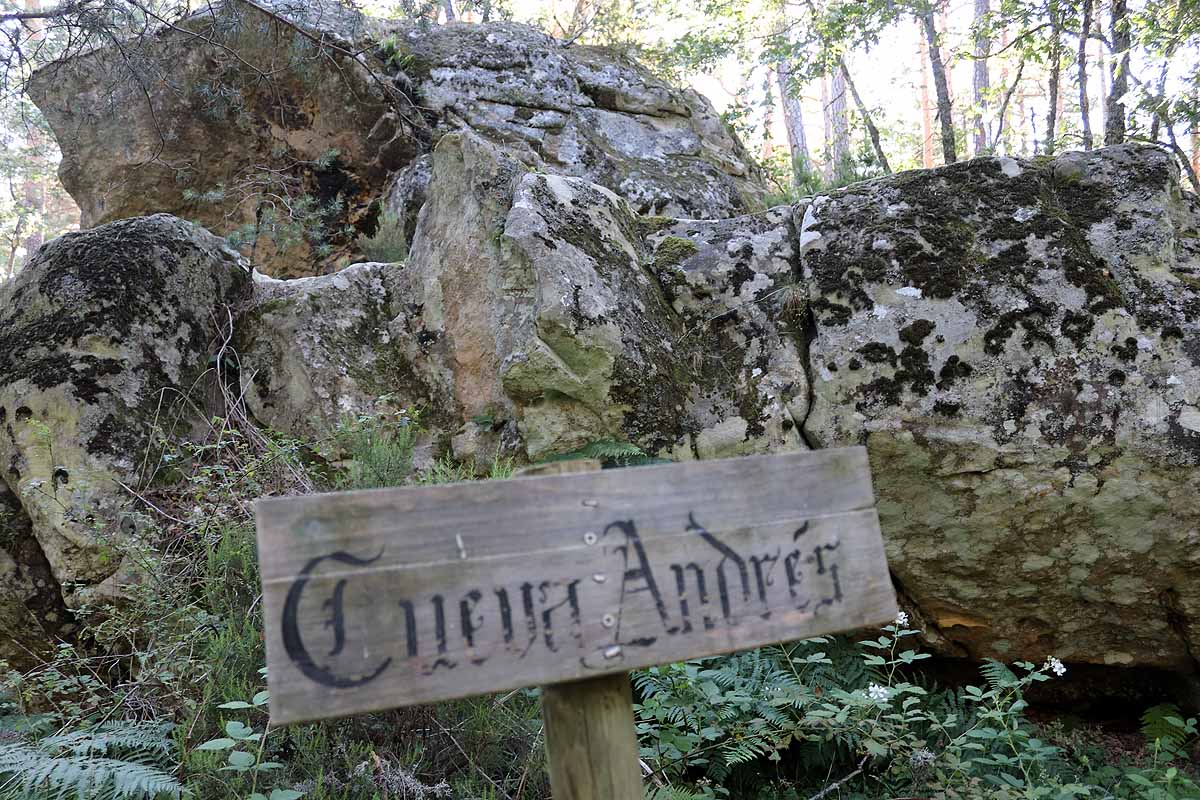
pixel 1102 68
pixel 1002 116
pixel 1114 116
pixel 982 81
pixel 1195 138
pixel 793 121
pixel 1053 97
pixel 941 86
pixel 926 107
pixel 842 165
pixel 1084 112
pixel 448 7
pixel 33 189
pixel 872 131
pixel 827 114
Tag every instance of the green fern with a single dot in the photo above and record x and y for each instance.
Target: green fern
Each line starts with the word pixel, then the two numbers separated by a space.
pixel 611 452
pixel 673 793
pixel 999 675
pixel 1163 723
pixel 139 741
pixel 111 762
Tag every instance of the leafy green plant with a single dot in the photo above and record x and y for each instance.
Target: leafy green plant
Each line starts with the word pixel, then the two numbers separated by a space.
pixel 611 452
pixel 387 243
pixel 109 760
pixel 243 748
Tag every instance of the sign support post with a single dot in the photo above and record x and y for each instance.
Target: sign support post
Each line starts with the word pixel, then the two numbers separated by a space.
pixel 591 742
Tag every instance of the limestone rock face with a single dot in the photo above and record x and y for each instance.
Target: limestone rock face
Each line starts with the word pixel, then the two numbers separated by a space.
pixel 1018 345
pixel 32 615
pixel 584 112
pixel 561 323
pixel 288 160
pixel 101 335
pixel 734 284
pixel 301 164
pixel 313 350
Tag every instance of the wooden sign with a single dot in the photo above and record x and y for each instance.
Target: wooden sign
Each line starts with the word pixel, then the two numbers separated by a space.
pixel 383 598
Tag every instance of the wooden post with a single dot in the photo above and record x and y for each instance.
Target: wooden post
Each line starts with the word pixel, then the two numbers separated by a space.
pixel 591 743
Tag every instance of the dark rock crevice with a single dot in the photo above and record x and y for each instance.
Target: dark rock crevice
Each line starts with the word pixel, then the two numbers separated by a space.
pixel 26 581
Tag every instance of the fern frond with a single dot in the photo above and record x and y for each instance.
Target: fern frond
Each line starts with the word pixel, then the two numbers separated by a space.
pixel 136 741
pixel 998 674
pixel 30 773
pixel 673 793
pixel 1156 727
pixel 611 452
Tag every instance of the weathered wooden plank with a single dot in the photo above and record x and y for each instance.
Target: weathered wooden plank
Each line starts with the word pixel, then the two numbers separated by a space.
pixel 591 745
pixel 447 592
pixel 534 513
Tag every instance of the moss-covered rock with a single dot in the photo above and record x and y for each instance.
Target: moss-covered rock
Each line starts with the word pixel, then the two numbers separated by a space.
pixel 314 350
pixel 344 124
pixel 1018 338
pixel 105 341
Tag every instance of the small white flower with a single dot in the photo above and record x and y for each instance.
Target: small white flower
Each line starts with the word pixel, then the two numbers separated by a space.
pixel 1055 666
pixel 901 620
pixel 921 758
pixel 878 693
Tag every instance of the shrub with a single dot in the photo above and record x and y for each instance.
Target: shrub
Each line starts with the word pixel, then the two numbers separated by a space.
pixel 388 244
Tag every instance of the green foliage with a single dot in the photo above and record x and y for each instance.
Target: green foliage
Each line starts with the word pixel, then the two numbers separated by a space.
pixel 379 447
pixel 286 213
pixel 1164 724
pixel 387 244
pixel 110 760
pixel 824 706
pixel 611 452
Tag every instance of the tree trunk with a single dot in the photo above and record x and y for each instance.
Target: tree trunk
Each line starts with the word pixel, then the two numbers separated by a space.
pixel 941 86
pixel 1114 114
pixel 982 81
pixel 842 165
pixel 926 107
pixel 872 131
pixel 1055 73
pixel 1084 112
pixel 1195 138
pixel 1102 68
pixel 1003 115
pixel 827 118
pixel 448 7
pixel 793 120
pixel 1185 164
pixel 33 190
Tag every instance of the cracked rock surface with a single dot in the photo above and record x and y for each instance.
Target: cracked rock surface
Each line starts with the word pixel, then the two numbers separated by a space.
pixel 1018 345
pixel 338 139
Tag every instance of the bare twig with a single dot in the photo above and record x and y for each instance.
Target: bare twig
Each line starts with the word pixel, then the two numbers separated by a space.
pixel 831 788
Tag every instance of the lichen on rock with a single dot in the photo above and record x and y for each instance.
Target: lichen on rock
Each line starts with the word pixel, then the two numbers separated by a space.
pixel 105 341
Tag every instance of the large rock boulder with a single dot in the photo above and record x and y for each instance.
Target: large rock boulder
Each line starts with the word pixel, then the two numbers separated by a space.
pixel 563 317
pixel 105 341
pixel 301 128
pixel 314 351
pixel 1018 345
pixel 258 120
pixel 585 112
